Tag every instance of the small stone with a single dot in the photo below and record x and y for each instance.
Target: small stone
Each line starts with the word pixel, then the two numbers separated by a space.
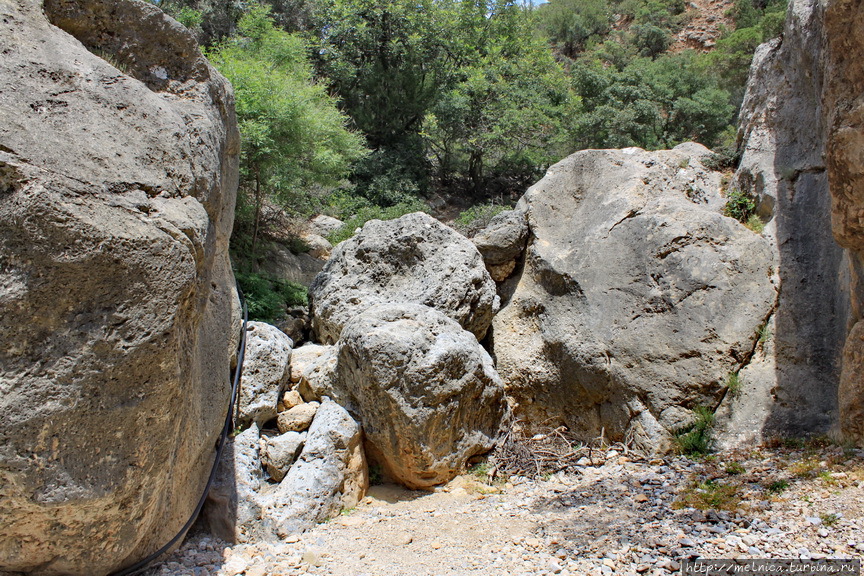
pixel 435 545
pixel 642 568
pixel 311 557
pixel 815 521
pixel 687 542
pixel 754 551
pixel 290 399
pixel 640 498
pixel 256 571
pixel 822 532
pixel 236 565
pixel 298 418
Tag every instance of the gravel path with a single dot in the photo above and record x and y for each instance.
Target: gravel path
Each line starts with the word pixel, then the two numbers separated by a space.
pixel 617 516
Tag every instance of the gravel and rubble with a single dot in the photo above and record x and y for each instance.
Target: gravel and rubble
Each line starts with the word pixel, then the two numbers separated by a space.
pixel 610 514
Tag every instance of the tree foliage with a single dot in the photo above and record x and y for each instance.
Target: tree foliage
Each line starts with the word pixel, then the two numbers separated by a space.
pixel 294 138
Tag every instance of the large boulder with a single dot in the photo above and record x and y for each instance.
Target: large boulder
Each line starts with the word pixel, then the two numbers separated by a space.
pixel 413 259
pixel 118 172
pixel 425 391
pixel 265 372
pixel 638 297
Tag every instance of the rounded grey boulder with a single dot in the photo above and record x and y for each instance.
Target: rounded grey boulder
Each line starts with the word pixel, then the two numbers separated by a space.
pixel 637 299
pixel 425 391
pixel 413 259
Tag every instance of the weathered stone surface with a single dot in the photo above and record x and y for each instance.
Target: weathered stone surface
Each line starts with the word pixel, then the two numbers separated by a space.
pixel 280 452
pixel 324 225
pixel 413 259
pixel 319 247
pixel 504 239
pixel 265 372
pixel 298 418
pixel 637 297
pixel 304 356
pixel 232 511
pixel 281 263
pixel 425 391
pixel 318 376
pixel 794 392
pixel 843 96
pixel 330 473
pixel 116 204
pixel 289 400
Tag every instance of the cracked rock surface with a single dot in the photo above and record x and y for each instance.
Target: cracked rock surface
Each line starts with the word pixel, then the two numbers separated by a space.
pixel 637 299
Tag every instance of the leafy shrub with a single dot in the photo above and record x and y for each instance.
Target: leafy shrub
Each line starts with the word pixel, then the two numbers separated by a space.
pixel 268 298
pixel 739 205
pixel 695 439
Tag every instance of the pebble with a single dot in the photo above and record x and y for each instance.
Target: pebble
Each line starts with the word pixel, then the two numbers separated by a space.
pixel 614 515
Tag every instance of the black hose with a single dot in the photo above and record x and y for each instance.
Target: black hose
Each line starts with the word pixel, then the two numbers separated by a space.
pixel 139 566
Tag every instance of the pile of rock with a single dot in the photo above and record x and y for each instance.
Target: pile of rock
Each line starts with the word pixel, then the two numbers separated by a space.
pixel 402 305
pixel 296 463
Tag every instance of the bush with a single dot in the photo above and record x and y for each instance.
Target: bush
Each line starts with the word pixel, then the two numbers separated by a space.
pixel 268 298
pixel 739 205
pixel 695 439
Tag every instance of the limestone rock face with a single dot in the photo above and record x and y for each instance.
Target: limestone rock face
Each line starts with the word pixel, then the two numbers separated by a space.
pixel 637 297
pixel 425 391
pixel 412 259
pixel 792 389
pixel 265 372
pixel 118 172
pixel 502 242
pixel 844 109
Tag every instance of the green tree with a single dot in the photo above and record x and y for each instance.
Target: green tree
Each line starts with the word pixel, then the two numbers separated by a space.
pixel 570 24
pixel 293 136
pixel 501 122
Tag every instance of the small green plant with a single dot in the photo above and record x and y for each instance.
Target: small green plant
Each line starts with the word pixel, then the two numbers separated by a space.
pixel 734 468
pixel 829 519
pixel 684 163
pixel 695 439
pixel 734 383
pixel 808 468
pixel 827 478
pixel 739 205
pixel 777 486
pixel 755 224
pixel 764 333
pixel 480 470
pixel 710 495
pixel 347 511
